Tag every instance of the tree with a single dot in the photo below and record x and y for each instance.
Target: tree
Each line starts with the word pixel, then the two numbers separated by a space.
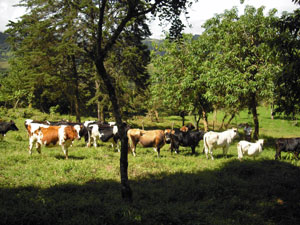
pixel 242 72
pixel 287 92
pixel 176 81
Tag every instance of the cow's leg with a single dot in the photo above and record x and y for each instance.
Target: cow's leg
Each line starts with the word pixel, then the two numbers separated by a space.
pixel 89 141
pixel 206 152
pixel 240 152
pixel 118 146
pixel 225 149
pixel 193 150
pixel 95 141
pixel 31 142
pixel 38 147
pixel 156 149
pixel 296 154
pixel 211 153
pixel 65 150
pixel 1 137
pixel 133 151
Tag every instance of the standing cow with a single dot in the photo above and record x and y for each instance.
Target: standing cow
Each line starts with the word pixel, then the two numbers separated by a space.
pixel 184 138
pixel 223 139
pixel 53 135
pixel 149 138
pixel 250 149
pixel 7 126
pixel 287 145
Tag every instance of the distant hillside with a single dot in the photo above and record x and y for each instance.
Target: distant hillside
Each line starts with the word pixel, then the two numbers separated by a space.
pixel 4 47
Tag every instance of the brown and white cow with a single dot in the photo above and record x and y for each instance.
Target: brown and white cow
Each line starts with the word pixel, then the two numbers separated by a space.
pixel 149 138
pixel 53 135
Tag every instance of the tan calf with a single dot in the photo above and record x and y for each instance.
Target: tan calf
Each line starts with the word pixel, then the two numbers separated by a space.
pixel 149 138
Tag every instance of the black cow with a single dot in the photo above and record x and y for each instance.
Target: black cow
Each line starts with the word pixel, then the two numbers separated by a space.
pixel 187 139
pixel 7 126
pixel 287 145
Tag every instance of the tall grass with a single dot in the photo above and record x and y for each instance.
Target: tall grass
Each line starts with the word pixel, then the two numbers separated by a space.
pixel 174 189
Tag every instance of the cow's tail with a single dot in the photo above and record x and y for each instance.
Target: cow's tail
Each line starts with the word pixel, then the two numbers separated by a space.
pixel 130 143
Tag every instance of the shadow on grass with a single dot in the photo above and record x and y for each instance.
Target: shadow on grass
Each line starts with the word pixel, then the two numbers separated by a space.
pixel 62 157
pixel 248 192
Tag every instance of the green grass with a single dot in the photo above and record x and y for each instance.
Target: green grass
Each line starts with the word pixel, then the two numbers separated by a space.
pixel 174 189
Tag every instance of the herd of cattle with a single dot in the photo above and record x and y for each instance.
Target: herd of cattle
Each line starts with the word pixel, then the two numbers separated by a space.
pixel 46 133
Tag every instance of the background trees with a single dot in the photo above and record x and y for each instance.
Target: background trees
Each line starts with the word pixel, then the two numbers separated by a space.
pixel 230 66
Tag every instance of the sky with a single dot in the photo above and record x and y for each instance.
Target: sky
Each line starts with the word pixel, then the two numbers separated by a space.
pixel 198 13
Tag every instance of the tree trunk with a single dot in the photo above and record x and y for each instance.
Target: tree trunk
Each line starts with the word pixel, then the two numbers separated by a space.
pixel 205 122
pixel 223 121
pixel 253 106
pixel 182 114
pixel 76 84
pixel 125 188
pixel 197 120
pixel 214 118
pixel 230 119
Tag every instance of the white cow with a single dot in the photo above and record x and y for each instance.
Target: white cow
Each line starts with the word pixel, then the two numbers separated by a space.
pixel 250 149
pixel 223 139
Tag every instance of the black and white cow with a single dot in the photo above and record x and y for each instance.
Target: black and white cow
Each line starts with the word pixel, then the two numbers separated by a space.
pixel 7 126
pixel 104 132
pixel 183 138
pixel 287 145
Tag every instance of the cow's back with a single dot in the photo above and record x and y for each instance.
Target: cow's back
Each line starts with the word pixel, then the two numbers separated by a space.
pixel 49 135
pixel 152 138
pixel 70 133
pixel 211 138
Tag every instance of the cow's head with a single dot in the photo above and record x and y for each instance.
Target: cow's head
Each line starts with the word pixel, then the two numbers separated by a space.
pixel 235 132
pixel 168 133
pixel 12 126
pixel 71 133
pixel 81 130
pixel 261 142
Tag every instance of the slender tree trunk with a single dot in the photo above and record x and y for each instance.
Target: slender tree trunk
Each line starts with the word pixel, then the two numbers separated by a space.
pixel 205 122
pixel 156 116
pixel 197 120
pixel 125 188
pixel 182 114
pixel 76 84
pixel 214 118
pixel 230 119
pixel 253 106
pixel 223 121
pixel 100 108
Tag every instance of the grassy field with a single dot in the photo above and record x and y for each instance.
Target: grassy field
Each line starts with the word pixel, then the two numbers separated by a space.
pixel 174 189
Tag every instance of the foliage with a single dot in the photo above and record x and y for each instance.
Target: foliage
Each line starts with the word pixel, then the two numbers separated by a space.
pixel 230 66
pixel 287 95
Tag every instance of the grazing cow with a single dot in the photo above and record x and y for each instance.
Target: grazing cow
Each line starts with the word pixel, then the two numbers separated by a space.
pixel 183 138
pixel 250 149
pixel 103 132
pixel 218 139
pixel 287 145
pixel 79 127
pixel 50 136
pixel 149 138
pixel 7 126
